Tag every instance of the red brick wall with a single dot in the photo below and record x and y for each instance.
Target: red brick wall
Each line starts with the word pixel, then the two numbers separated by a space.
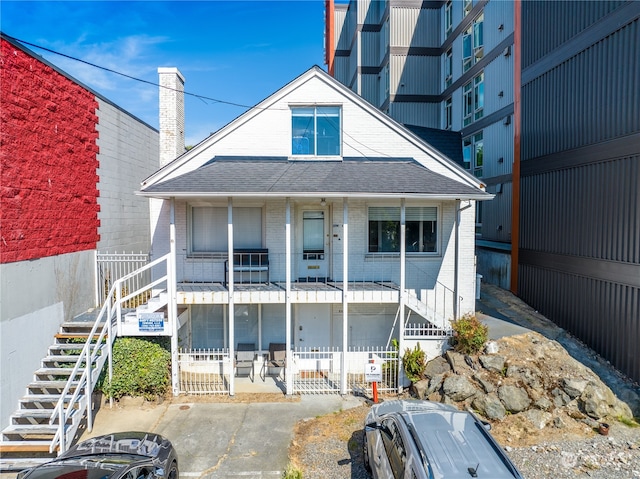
pixel 48 160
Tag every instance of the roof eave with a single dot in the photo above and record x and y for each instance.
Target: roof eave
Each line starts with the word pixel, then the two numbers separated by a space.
pixel 165 195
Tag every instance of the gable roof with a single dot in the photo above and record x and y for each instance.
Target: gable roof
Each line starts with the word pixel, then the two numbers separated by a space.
pixel 199 156
pixel 255 176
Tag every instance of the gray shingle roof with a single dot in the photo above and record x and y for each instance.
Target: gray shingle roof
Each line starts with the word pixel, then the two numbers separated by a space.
pixel 242 175
pixel 449 143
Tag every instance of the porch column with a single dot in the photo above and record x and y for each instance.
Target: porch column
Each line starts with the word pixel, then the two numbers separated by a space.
pixel 345 294
pixel 232 348
pixel 287 296
pixel 403 258
pixel 172 307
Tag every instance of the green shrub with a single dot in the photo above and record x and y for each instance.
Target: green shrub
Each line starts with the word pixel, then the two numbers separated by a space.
pixel 414 363
pixel 141 367
pixel 469 334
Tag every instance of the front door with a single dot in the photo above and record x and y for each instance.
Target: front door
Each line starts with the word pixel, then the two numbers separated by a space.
pixel 313 326
pixel 313 245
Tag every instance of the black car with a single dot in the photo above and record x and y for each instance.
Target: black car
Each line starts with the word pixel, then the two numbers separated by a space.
pixel 428 440
pixel 124 455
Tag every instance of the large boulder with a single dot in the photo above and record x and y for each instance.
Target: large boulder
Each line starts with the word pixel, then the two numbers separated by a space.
pixel 492 362
pixel 437 366
pixel 490 407
pixel 515 399
pixel 458 388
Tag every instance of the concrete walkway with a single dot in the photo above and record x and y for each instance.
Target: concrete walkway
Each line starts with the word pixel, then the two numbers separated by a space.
pixel 222 439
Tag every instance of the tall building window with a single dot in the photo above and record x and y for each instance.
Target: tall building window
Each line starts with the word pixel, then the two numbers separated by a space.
pixel 467 6
pixel 473 99
pixel 448 17
pixel 448 114
pixel 472 153
pixel 478 38
pixel 473 43
pixel 315 131
pixel 448 68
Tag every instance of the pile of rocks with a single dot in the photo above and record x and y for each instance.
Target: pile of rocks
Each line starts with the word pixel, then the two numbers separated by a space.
pixel 526 375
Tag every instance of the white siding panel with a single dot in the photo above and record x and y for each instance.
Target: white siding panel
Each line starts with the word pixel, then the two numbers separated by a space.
pixel 415 27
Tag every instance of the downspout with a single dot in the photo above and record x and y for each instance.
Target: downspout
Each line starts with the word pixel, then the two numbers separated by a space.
pixel 345 294
pixel 287 295
pixel 403 257
pixel 172 310
pixel 232 315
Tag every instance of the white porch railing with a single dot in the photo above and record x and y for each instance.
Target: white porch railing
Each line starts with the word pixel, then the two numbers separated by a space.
pixel 318 370
pixel 204 371
pixel 112 266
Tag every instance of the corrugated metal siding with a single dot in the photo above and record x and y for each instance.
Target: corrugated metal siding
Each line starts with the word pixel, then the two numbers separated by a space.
pixel 420 75
pixel 415 27
pixel 370 86
pixel 370 11
pixel 369 49
pixel 542 18
pixel 591 211
pixel 591 98
pixel 607 321
pixel 342 33
pixel 498 78
pixel 419 114
pixel 498 143
pixel 496 214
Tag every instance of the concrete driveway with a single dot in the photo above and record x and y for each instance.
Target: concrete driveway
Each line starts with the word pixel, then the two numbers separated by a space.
pixel 222 439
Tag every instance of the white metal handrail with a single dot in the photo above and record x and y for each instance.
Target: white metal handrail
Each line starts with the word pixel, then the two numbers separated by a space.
pixel 90 355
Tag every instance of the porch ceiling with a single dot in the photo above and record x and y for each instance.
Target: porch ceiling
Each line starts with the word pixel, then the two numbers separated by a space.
pixel 244 176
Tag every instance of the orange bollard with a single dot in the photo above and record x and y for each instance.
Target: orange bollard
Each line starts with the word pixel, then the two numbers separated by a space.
pixel 374 387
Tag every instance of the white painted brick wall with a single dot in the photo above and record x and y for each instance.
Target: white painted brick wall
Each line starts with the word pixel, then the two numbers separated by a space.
pixel 128 154
pixel 171 111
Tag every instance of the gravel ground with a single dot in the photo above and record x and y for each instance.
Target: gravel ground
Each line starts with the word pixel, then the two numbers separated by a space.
pixel 331 447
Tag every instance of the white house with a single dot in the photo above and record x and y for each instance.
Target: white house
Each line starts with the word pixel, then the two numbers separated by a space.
pixel 316 223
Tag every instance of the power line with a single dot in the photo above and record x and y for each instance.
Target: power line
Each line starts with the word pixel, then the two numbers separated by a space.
pixel 200 97
pixel 115 72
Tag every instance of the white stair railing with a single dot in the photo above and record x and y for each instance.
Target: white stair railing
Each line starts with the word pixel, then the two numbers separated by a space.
pixel 93 355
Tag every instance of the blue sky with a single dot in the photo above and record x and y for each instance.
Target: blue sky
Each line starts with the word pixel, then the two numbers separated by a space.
pixel 235 51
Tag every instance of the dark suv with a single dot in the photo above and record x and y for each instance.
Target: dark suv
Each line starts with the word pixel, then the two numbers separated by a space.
pixel 427 440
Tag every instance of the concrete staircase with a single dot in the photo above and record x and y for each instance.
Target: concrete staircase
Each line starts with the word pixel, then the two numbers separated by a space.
pixel 29 437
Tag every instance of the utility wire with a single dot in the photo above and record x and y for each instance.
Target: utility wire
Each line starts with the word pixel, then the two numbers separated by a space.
pixel 201 97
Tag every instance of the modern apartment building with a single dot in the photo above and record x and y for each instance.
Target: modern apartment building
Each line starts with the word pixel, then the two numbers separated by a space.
pixel 545 96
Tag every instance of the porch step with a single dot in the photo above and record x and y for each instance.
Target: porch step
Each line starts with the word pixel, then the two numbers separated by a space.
pixel 25 446
pixel 49 386
pixel 60 359
pixel 27 431
pixel 48 372
pixel 41 399
pixel 60 348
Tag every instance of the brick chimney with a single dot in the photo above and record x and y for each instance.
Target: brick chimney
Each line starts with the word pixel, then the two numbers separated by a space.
pixel 171 114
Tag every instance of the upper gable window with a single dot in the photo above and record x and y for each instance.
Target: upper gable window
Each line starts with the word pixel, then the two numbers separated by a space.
pixel 315 131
